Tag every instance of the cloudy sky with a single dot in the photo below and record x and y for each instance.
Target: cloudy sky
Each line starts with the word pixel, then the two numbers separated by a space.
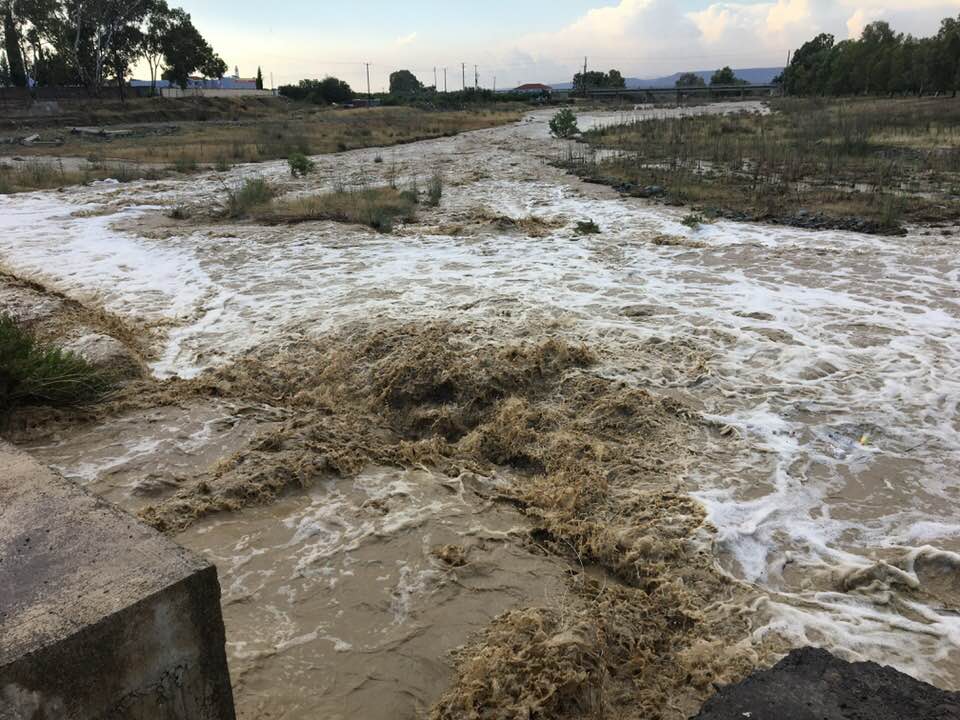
pixel 520 41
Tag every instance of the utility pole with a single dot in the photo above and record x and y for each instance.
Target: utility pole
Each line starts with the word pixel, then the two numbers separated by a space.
pixel 476 78
pixel 271 80
pixel 444 80
pixel 494 84
pixel 369 94
pixel 789 56
pixel 434 78
pixel 463 72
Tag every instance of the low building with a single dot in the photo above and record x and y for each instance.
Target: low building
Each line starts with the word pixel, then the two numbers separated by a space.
pixel 534 89
pixel 195 82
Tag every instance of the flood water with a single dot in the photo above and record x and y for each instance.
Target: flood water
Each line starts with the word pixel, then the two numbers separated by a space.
pixel 832 358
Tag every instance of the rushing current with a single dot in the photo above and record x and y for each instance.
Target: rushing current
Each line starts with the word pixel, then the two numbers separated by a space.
pixel 830 359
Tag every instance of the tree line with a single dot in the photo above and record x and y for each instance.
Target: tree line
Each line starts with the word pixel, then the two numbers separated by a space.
pixel 723 76
pixel 881 61
pixel 92 42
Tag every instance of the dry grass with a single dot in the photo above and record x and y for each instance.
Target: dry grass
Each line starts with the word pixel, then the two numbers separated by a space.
pixel 882 161
pixel 276 136
pixel 40 175
pixel 377 207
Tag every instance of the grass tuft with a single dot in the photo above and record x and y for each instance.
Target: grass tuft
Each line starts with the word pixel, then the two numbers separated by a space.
pixel 377 207
pixel 34 374
pixel 300 165
pixel 252 195
pixel 435 189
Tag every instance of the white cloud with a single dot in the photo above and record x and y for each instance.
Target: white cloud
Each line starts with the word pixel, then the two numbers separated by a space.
pixel 407 39
pixel 648 37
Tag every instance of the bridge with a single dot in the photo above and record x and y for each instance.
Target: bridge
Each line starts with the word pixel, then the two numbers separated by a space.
pixel 650 93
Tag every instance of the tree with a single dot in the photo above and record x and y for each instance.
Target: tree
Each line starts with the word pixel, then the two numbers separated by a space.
pixel 594 80
pixel 4 71
pixel 335 91
pixel 403 82
pixel 319 92
pixel 564 124
pixel 259 78
pixel 185 51
pixel 726 76
pixel 945 68
pixel 11 38
pixel 97 30
pixel 46 43
pixel 690 80
pixel 158 23
pixel 615 80
pixel 126 48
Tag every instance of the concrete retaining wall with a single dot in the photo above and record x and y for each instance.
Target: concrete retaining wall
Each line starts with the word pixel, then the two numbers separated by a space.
pixel 100 616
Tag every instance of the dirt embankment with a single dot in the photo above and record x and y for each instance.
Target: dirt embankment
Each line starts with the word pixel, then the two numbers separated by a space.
pixel 644 629
pixel 103 339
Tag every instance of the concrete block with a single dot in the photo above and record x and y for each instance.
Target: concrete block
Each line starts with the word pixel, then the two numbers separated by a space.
pixel 100 616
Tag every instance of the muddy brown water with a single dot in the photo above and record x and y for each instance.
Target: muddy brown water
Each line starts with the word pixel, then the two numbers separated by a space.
pixel 831 359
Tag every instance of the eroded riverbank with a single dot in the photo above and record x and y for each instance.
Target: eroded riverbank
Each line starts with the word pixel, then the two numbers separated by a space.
pixel 816 372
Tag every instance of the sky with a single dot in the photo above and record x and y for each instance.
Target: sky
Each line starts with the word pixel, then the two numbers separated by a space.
pixel 518 41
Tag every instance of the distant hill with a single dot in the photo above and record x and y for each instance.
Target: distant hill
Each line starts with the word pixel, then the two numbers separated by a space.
pixel 754 76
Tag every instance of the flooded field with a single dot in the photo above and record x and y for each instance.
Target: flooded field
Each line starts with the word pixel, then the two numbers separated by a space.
pixel 780 405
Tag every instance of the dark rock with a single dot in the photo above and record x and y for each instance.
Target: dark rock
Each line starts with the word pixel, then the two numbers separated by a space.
pixel 812 684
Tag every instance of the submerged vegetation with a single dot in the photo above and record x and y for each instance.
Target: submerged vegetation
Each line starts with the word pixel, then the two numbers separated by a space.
pixel 377 207
pixel 591 457
pixel 252 194
pixel 564 124
pixel 300 165
pixel 42 175
pixel 860 164
pixel 32 373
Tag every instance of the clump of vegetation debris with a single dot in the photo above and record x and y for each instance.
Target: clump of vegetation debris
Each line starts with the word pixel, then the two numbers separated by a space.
pixel 593 463
pixel 380 208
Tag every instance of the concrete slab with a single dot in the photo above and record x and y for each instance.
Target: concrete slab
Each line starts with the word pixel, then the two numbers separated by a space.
pixel 101 616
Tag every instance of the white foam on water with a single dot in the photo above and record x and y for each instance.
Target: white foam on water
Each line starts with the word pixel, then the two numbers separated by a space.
pixel 834 356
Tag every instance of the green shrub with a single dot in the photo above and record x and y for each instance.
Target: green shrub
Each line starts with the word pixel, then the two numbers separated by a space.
pixel 252 194
pixel 300 165
pixel 435 189
pixel 185 164
pixel 693 220
pixel 32 374
pixel 222 164
pixel 564 124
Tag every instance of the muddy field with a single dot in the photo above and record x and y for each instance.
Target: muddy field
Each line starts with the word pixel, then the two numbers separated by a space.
pixel 490 461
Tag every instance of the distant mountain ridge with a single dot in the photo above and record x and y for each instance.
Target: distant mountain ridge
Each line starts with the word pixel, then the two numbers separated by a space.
pixel 754 76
